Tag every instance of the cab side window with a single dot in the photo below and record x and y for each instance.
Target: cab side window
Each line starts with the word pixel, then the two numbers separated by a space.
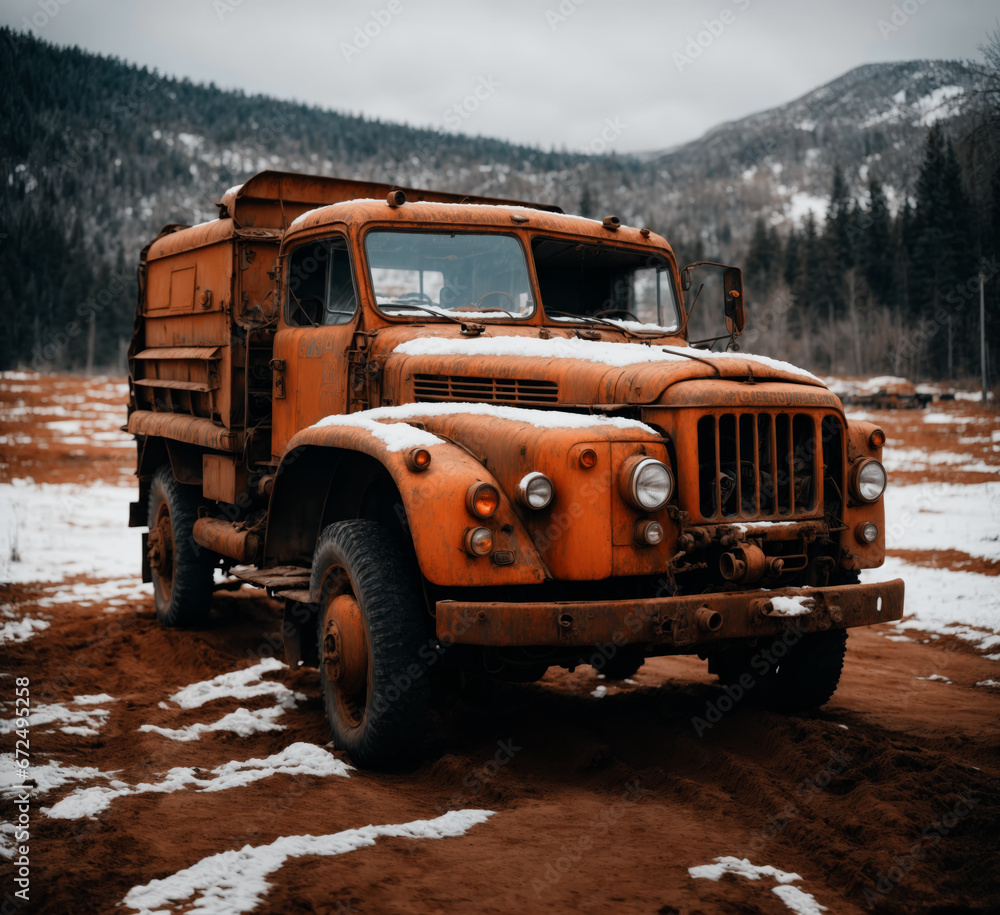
pixel 320 289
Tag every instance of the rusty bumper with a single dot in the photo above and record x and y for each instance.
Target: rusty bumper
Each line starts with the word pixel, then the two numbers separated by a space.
pixel 693 620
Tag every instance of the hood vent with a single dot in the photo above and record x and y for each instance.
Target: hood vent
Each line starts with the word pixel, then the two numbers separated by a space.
pixel 431 388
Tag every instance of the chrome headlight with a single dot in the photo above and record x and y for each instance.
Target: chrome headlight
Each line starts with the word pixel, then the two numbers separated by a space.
pixel 535 490
pixel 869 480
pixel 645 483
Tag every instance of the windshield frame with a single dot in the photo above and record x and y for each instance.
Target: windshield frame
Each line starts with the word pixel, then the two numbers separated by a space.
pixel 666 255
pixel 418 315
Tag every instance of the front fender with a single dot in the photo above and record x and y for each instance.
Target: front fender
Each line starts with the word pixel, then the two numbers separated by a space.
pixel 434 502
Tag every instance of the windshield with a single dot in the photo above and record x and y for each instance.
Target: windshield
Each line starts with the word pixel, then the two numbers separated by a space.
pixel 592 280
pixel 423 272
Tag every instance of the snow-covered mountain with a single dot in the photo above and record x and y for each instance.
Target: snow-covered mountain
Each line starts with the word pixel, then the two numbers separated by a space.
pixel 779 163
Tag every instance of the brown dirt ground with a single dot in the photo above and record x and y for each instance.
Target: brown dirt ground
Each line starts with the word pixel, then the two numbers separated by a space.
pixel 605 803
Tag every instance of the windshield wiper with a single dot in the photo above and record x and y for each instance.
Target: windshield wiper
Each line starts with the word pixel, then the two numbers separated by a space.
pixel 428 309
pixel 589 319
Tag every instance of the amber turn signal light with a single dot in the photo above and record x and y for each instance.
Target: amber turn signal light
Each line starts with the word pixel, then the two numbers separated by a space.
pixel 877 439
pixel 482 499
pixel 418 459
pixel 588 458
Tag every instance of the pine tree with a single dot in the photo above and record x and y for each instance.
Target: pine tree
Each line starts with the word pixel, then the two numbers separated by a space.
pixel 875 245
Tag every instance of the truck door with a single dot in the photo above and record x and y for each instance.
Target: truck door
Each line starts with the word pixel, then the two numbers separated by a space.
pixel 319 316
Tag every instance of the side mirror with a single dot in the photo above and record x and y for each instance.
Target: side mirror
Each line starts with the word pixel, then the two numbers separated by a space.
pixel 736 318
pixel 732 284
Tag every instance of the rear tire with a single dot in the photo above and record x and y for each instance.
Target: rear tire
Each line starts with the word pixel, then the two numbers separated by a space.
pixel 181 569
pixel 372 627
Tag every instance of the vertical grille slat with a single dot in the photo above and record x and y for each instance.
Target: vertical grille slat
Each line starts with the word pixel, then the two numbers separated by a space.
pixel 759 465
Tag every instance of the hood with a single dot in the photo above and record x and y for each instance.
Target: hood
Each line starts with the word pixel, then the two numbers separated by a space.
pixel 516 365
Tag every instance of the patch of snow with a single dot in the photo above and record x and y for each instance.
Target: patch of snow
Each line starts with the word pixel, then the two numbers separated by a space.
pixel 234 881
pixel 741 867
pixel 242 722
pixel 43 777
pixel 240 684
pixel 791 606
pixel 959 604
pixel 801 203
pixel 96 699
pixel 540 419
pixel 297 759
pixel 42 715
pixel 7 842
pixel 936 677
pixel 617 355
pixel 988 683
pixel 942 103
pixel 795 899
pixel 74 530
pixel 395 436
pixel 600 692
pixel 937 516
pixel 19 629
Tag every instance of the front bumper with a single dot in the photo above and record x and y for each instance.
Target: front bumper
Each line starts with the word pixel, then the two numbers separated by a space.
pixel 666 622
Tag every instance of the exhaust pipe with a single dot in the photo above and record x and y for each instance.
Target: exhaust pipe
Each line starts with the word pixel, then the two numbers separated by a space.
pixel 221 537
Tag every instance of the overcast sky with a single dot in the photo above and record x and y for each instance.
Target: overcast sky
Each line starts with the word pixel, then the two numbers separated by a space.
pixel 634 74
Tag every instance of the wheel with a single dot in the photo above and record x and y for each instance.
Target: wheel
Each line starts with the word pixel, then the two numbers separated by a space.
pixel 805 675
pixel 181 569
pixel 372 628
pixel 623 665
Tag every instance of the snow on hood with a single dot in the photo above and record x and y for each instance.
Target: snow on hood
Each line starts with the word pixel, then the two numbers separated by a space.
pixel 389 423
pixel 617 355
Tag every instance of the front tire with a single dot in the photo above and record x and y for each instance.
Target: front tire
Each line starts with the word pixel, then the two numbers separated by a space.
pixel 181 569
pixel 804 677
pixel 372 627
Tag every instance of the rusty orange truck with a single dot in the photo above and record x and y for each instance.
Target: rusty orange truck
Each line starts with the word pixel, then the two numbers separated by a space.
pixel 469 436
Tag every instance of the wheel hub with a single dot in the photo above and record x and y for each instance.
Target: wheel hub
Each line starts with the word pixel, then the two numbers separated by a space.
pixel 160 547
pixel 345 645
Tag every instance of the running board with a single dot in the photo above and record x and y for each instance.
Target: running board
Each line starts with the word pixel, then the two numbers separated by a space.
pixel 278 579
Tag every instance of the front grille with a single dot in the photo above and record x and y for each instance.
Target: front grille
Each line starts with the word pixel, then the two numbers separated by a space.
pixel 483 390
pixel 757 465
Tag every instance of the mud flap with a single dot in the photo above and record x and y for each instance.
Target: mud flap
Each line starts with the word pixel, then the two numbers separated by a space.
pixel 298 629
pixel 147 573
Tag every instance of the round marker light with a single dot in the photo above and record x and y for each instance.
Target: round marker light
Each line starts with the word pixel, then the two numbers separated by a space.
pixel 535 490
pixel 478 541
pixel 482 499
pixel 867 532
pixel 649 532
pixel 876 439
pixel 869 480
pixel 645 483
pixel 418 459
pixel 588 458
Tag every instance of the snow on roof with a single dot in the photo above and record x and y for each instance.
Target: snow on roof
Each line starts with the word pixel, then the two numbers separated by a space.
pixel 540 419
pixel 617 355
pixel 302 217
